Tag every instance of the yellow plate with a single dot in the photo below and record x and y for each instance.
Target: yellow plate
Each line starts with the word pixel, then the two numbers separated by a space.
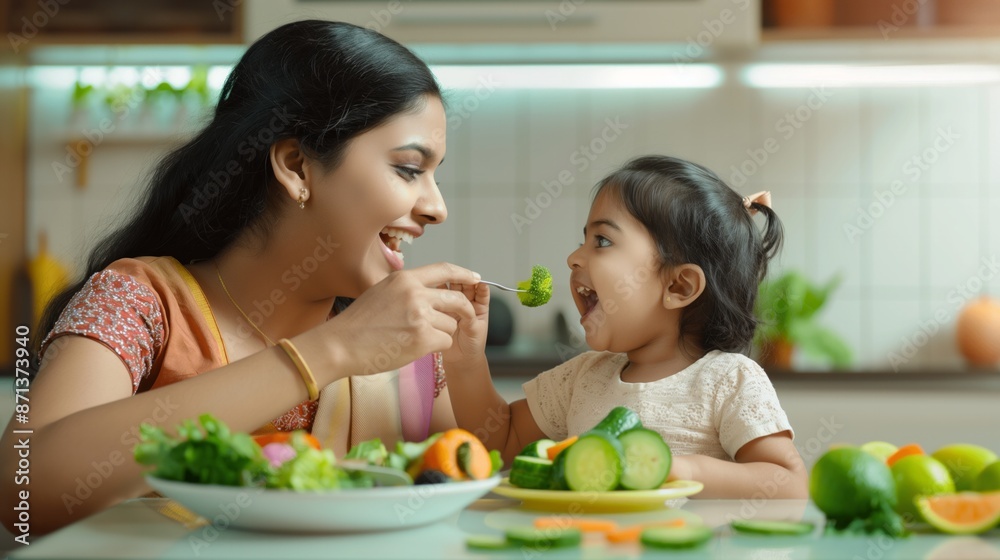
pixel 596 502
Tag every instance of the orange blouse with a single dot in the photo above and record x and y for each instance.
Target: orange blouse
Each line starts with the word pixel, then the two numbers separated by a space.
pixel 152 313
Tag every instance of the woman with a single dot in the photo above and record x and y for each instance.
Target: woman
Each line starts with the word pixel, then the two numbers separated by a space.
pixel 318 162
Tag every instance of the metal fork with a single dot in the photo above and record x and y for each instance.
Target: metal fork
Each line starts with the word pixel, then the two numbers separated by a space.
pixel 502 287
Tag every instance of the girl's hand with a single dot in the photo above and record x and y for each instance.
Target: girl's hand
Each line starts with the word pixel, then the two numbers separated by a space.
pixel 470 339
pixel 404 317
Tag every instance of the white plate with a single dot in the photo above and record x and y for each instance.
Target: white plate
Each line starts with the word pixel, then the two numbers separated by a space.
pixel 335 511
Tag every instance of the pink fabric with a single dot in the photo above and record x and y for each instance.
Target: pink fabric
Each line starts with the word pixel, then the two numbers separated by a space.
pixel 416 398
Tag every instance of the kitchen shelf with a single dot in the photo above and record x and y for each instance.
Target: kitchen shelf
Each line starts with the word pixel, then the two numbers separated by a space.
pixel 872 32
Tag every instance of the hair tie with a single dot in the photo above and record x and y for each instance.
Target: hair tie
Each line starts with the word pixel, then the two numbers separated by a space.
pixel 763 198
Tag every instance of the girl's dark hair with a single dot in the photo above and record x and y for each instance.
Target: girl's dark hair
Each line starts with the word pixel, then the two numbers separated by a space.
pixel 694 217
pixel 320 82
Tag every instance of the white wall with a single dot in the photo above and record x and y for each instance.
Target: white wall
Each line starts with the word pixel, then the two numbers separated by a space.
pixel 898 273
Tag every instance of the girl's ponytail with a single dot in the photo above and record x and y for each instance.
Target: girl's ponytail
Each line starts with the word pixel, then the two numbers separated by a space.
pixel 771 238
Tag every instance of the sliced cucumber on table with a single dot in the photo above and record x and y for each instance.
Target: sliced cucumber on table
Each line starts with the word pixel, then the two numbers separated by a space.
pixel 772 527
pixel 531 472
pixel 675 537
pixel 557 478
pixel 537 449
pixel 619 421
pixel 592 464
pixel 647 459
pixel 487 542
pixel 543 539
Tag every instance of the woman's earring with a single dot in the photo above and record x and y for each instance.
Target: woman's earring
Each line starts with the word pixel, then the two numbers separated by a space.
pixel 302 198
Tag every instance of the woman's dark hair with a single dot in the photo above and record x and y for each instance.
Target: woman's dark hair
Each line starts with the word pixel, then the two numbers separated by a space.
pixel 694 217
pixel 320 82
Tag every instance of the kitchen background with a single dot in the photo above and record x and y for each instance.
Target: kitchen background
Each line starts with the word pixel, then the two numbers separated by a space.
pixel 873 123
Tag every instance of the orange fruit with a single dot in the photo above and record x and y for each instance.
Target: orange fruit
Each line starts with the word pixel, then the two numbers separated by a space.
pixel 964 513
pixel 977 331
pixel 905 451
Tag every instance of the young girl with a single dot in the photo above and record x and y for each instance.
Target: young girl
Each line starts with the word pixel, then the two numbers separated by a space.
pixel 665 282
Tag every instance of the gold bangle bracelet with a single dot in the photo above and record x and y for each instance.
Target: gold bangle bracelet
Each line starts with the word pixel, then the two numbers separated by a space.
pixel 300 364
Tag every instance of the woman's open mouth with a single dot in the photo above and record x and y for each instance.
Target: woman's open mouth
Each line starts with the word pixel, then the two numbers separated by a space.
pixel 392 241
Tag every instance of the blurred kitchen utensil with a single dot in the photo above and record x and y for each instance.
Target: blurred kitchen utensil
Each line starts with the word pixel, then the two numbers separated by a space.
pixel 382 476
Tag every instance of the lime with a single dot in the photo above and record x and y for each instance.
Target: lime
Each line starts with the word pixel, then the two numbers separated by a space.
pixel 880 449
pixel 847 483
pixel 989 479
pixel 919 475
pixel 964 461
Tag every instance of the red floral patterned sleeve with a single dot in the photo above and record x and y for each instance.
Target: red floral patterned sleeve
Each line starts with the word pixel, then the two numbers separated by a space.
pixel 119 312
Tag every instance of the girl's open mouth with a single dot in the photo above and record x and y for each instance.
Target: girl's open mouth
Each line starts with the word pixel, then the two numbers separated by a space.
pixel 588 299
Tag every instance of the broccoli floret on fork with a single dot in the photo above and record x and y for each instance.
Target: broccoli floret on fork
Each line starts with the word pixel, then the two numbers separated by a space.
pixel 539 287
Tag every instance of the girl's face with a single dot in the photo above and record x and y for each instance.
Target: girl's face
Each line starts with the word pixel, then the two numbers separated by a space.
pixel 615 280
pixel 381 196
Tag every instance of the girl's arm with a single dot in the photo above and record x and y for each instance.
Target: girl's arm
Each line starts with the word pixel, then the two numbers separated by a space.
pixel 768 467
pixel 477 405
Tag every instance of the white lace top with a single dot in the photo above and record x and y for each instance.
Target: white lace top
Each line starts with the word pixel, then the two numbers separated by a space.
pixel 713 407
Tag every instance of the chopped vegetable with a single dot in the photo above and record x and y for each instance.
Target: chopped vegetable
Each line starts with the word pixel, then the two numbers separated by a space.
pixel 672 538
pixel 531 472
pixel 284 437
pixel 772 527
pixel 620 420
pixel 538 449
pixel 371 451
pixel 496 462
pixel 206 454
pixel 632 534
pixel 444 455
pixel 603 526
pixel 487 542
pixel 647 459
pixel 544 539
pixel 554 450
pixel 539 287
pixel 594 463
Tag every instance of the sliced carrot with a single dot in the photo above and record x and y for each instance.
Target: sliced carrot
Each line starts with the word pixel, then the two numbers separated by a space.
pixel 557 448
pixel 632 533
pixel 585 525
pixel 905 451
pixel 284 437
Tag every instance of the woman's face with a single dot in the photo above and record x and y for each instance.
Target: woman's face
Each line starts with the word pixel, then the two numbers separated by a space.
pixel 615 280
pixel 381 197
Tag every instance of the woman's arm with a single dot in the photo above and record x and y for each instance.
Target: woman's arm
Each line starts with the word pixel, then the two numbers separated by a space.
pixel 768 467
pixel 86 422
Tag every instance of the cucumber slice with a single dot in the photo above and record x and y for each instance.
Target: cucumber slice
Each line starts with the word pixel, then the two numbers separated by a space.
pixel 531 472
pixel 772 527
pixel 557 480
pixel 538 449
pixel 647 459
pixel 619 421
pixel 487 542
pixel 675 537
pixel 544 538
pixel 594 462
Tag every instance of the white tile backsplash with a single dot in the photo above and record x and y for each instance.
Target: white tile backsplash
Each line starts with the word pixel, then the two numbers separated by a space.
pixel 505 146
pixel 953 236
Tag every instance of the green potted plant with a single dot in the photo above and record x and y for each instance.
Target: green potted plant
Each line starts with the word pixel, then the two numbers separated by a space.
pixel 786 308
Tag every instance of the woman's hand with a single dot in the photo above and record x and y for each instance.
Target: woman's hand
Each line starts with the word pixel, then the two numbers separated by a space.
pixel 403 317
pixel 470 338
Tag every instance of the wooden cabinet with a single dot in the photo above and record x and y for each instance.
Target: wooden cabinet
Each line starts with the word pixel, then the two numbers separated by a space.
pixel 716 22
pixel 879 19
pixel 36 22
